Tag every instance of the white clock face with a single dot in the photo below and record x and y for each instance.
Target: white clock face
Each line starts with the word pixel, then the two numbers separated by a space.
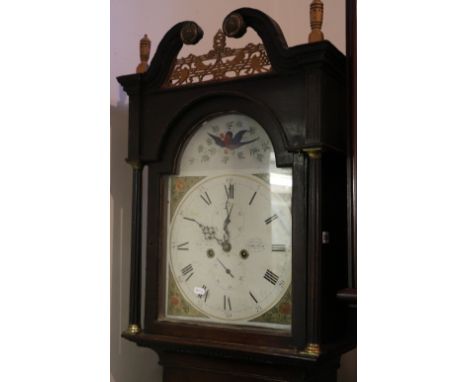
pixel 230 247
pixel 228 243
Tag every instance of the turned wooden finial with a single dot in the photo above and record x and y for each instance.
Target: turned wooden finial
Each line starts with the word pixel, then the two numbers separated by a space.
pixel 145 48
pixel 316 19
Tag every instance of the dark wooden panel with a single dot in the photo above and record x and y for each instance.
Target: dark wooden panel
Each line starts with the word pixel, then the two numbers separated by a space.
pixel 135 266
pixel 351 113
pixel 315 279
pixel 300 255
pixel 153 248
pixel 334 259
pixel 287 98
pixel 185 367
pixel 178 374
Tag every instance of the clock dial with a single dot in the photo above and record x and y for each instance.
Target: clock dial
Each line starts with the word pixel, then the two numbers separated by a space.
pixel 227 261
pixel 229 228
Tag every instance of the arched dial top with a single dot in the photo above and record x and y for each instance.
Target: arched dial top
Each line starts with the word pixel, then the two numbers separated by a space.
pixel 225 143
pixel 228 243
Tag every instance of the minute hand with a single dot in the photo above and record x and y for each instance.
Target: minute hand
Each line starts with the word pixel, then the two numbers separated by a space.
pixel 227 221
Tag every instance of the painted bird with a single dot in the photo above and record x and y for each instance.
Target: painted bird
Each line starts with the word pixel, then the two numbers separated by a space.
pixel 228 141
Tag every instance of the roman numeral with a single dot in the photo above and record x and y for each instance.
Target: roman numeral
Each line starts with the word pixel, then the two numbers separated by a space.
pixel 271 218
pixel 186 270
pixel 206 294
pixel 253 297
pixel 278 248
pixel 206 198
pixel 183 246
pixel 227 303
pixel 253 197
pixel 271 277
pixel 229 191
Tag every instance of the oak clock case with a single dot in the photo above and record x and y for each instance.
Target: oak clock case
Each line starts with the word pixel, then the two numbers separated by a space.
pixel 246 212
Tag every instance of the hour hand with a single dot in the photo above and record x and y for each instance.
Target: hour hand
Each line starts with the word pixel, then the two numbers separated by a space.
pixel 208 232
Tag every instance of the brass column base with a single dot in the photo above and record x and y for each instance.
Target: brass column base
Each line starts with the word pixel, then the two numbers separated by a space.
pixel 133 329
pixel 312 350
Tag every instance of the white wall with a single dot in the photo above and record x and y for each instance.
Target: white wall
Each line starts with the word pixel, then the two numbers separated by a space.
pixel 130 20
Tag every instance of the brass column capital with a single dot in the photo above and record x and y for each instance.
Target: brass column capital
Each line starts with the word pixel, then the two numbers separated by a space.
pixel 313 153
pixel 136 164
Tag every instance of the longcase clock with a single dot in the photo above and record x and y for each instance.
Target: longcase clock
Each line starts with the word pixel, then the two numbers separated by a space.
pixel 247 207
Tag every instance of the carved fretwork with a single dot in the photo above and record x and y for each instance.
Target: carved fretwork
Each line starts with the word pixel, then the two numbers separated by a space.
pixel 218 64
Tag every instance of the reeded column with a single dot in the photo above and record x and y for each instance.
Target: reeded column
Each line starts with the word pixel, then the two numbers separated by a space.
pixel 135 262
pixel 314 263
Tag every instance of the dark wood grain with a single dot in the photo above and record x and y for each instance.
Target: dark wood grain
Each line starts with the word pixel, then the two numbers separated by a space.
pixel 314 252
pixel 351 86
pixel 168 48
pixel 301 105
pixel 154 238
pixel 282 57
pixel 334 263
pixel 183 367
pixel 299 249
pixel 347 295
pixel 135 253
